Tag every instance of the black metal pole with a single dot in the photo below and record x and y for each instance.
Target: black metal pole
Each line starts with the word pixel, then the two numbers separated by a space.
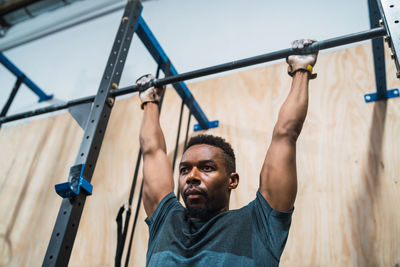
pixel 178 194
pixel 13 93
pixel 178 134
pixel 128 253
pixel 280 54
pixel 68 218
pixel 48 109
pixel 320 45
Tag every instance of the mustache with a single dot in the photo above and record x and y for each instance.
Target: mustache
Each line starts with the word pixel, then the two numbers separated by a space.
pixel 198 190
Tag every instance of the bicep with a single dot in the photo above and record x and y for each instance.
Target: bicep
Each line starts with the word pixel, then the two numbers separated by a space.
pixel 278 178
pixel 158 179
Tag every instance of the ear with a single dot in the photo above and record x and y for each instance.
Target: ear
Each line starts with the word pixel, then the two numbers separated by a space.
pixel 233 180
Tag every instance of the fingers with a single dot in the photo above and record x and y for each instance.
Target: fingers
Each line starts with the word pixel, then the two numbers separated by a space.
pixel 301 61
pixel 298 44
pixel 308 42
pixel 301 43
pixel 145 79
pixel 159 90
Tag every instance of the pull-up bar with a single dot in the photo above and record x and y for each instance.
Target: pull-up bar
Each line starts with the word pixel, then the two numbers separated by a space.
pixel 314 47
pixel 280 54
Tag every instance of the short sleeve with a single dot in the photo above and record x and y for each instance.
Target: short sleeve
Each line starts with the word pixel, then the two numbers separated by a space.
pixel 167 205
pixel 272 225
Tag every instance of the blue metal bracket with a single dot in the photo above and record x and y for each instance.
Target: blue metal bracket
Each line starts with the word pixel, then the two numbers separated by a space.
pixel 379 59
pixel 211 124
pixel 75 183
pixel 376 97
pixel 18 73
pixel 154 48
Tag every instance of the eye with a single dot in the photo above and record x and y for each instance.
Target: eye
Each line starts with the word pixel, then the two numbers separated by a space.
pixel 184 170
pixel 208 168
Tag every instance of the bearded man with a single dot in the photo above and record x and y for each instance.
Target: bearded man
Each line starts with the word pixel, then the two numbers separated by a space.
pixel 206 232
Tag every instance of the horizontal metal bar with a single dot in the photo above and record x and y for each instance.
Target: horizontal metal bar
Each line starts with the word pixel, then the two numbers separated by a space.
pixel 52 108
pixel 320 45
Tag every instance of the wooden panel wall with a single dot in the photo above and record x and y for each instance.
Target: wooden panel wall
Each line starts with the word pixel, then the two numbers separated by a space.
pixel 346 211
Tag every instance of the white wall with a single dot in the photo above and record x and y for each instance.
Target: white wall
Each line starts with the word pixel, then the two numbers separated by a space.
pixel 194 34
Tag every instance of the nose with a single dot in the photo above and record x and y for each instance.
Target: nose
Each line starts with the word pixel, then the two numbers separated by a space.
pixel 193 177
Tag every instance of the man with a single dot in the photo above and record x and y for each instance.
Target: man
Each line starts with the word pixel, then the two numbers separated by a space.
pixel 206 232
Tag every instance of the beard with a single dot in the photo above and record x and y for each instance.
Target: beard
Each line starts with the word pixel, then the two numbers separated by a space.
pixel 202 213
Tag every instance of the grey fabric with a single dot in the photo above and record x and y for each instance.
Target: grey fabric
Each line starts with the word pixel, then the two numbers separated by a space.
pixel 254 235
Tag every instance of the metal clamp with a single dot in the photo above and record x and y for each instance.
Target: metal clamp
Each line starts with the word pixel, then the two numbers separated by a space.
pixel 75 183
pixel 211 124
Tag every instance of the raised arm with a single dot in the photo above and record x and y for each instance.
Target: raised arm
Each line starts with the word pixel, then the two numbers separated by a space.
pixel 278 178
pixel 157 170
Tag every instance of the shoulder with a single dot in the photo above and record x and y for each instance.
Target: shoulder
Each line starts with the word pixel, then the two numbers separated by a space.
pixel 167 205
pixel 260 203
pixel 273 225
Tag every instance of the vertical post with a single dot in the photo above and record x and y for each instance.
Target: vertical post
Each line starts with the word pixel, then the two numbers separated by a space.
pixel 66 226
pixel 378 51
pixel 390 12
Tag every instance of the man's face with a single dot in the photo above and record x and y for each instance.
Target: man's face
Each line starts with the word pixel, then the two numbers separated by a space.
pixel 204 181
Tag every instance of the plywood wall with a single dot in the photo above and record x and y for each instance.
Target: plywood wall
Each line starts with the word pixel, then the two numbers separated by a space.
pixel 346 212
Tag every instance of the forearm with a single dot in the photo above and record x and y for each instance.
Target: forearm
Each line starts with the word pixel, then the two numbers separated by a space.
pixel 157 170
pixel 151 135
pixel 294 110
pixel 155 160
pixel 278 178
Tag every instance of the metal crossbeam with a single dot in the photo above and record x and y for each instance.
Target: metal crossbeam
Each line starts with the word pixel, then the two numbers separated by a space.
pixel 280 54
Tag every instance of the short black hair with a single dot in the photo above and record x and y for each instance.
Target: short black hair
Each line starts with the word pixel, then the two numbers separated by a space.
pixel 212 140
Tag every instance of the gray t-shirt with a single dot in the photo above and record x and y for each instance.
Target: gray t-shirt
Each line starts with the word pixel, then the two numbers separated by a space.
pixel 254 235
